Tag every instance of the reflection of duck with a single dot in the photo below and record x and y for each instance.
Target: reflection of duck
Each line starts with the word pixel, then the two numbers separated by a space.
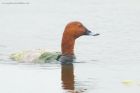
pixel 67 76
pixel 69 84
pixel 72 31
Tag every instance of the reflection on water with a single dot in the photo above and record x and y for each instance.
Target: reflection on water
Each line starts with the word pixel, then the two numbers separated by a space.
pixel 67 76
pixel 69 84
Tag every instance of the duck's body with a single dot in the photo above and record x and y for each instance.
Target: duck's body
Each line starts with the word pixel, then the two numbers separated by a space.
pixel 35 56
pixel 72 31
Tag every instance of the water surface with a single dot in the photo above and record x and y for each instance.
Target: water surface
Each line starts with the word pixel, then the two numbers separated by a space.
pixel 108 63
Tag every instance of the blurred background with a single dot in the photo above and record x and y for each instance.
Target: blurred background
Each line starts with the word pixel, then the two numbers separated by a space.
pixel 103 62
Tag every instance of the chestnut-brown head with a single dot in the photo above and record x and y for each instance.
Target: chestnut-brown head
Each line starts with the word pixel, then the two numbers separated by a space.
pixel 76 29
pixel 72 31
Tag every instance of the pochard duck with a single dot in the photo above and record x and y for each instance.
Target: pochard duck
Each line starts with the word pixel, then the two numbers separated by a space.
pixel 73 30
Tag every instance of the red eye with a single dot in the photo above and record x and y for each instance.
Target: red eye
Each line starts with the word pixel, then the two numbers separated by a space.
pixel 79 25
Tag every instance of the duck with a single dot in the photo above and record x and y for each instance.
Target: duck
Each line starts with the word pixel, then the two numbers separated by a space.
pixel 72 31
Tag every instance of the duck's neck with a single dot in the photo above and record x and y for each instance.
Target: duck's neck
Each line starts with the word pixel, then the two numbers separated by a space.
pixel 67 45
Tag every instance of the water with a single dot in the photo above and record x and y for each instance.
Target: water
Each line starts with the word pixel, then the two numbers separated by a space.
pixel 107 63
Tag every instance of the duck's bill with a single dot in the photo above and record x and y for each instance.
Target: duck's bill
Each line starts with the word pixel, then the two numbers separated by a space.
pixel 93 34
pixel 89 33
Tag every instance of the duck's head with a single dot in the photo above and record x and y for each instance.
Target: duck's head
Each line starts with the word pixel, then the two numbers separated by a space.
pixel 72 31
pixel 76 29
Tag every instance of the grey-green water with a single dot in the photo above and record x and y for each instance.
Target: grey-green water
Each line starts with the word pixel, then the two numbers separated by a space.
pixel 109 63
